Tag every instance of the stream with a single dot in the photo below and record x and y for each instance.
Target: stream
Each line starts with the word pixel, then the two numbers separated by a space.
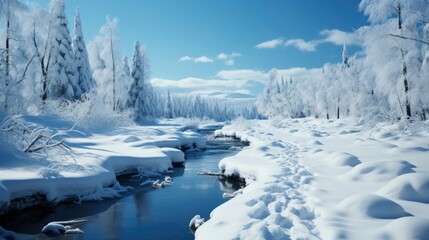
pixel 144 212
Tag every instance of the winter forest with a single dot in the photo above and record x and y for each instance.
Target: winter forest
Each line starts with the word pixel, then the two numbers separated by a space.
pixel 387 81
pixel 320 133
pixel 45 67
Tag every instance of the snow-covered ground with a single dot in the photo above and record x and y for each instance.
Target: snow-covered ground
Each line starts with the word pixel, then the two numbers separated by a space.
pixel 311 179
pixel 99 156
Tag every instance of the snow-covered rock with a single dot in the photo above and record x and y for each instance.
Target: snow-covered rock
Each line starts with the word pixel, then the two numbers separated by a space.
pixel 168 179
pixel 59 228
pixel 196 222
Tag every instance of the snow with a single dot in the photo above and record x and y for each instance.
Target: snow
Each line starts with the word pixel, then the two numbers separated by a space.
pixel 324 179
pixel 58 228
pixel 98 158
pixel 411 187
pixel 196 222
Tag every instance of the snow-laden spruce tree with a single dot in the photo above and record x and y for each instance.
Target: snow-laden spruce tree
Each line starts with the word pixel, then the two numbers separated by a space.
pixel 137 91
pixel 61 75
pixel 84 74
pixel 169 107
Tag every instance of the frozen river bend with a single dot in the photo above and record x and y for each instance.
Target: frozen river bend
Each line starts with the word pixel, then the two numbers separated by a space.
pixel 319 179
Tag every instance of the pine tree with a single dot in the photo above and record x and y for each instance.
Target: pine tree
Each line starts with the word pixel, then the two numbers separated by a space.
pixel 136 90
pixel 61 77
pixel 84 74
pixel 169 107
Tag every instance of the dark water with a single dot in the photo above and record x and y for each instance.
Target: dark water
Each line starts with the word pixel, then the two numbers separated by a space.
pixel 145 212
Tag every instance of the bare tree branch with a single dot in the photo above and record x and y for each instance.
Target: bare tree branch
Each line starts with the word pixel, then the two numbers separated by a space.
pixel 409 38
pixel 34 138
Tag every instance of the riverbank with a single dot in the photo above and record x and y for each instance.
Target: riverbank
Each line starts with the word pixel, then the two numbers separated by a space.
pixel 320 179
pixel 144 210
pixel 99 156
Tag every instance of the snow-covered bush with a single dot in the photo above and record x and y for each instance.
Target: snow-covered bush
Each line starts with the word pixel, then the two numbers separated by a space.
pixel 33 138
pixel 91 112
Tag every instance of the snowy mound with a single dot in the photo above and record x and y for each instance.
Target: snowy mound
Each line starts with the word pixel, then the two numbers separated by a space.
pixel 371 205
pixel 380 170
pixel 315 142
pixel 175 155
pixel 131 139
pixel 340 159
pixel 406 228
pixel 411 187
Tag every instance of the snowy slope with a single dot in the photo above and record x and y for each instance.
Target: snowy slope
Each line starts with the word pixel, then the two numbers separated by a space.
pixel 324 179
pixel 99 158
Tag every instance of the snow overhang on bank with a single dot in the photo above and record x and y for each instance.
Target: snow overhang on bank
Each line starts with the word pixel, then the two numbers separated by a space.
pixel 28 179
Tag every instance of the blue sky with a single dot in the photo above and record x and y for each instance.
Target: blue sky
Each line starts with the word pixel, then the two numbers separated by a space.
pixel 201 30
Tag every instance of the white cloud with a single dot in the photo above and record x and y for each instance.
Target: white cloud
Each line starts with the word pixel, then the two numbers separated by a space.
pixel 230 62
pixel 222 56
pixel 333 36
pixel 270 44
pixel 243 74
pixel 196 83
pixel 185 59
pixel 243 81
pixel 298 74
pixel 302 45
pixel 232 81
pixel 339 37
pixel 228 58
pixel 203 59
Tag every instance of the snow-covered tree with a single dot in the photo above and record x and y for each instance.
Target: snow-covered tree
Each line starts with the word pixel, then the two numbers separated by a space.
pixel 84 74
pixel 61 74
pixel 15 55
pixel 104 55
pixel 124 78
pixel 391 54
pixel 140 94
pixel 136 90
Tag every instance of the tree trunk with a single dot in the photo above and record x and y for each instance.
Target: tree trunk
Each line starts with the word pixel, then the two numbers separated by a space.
pixel 114 71
pixel 407 101
pixel 404 68
pixel 338 108
pixel 42 67
pixel 338 112
pixel 7 56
